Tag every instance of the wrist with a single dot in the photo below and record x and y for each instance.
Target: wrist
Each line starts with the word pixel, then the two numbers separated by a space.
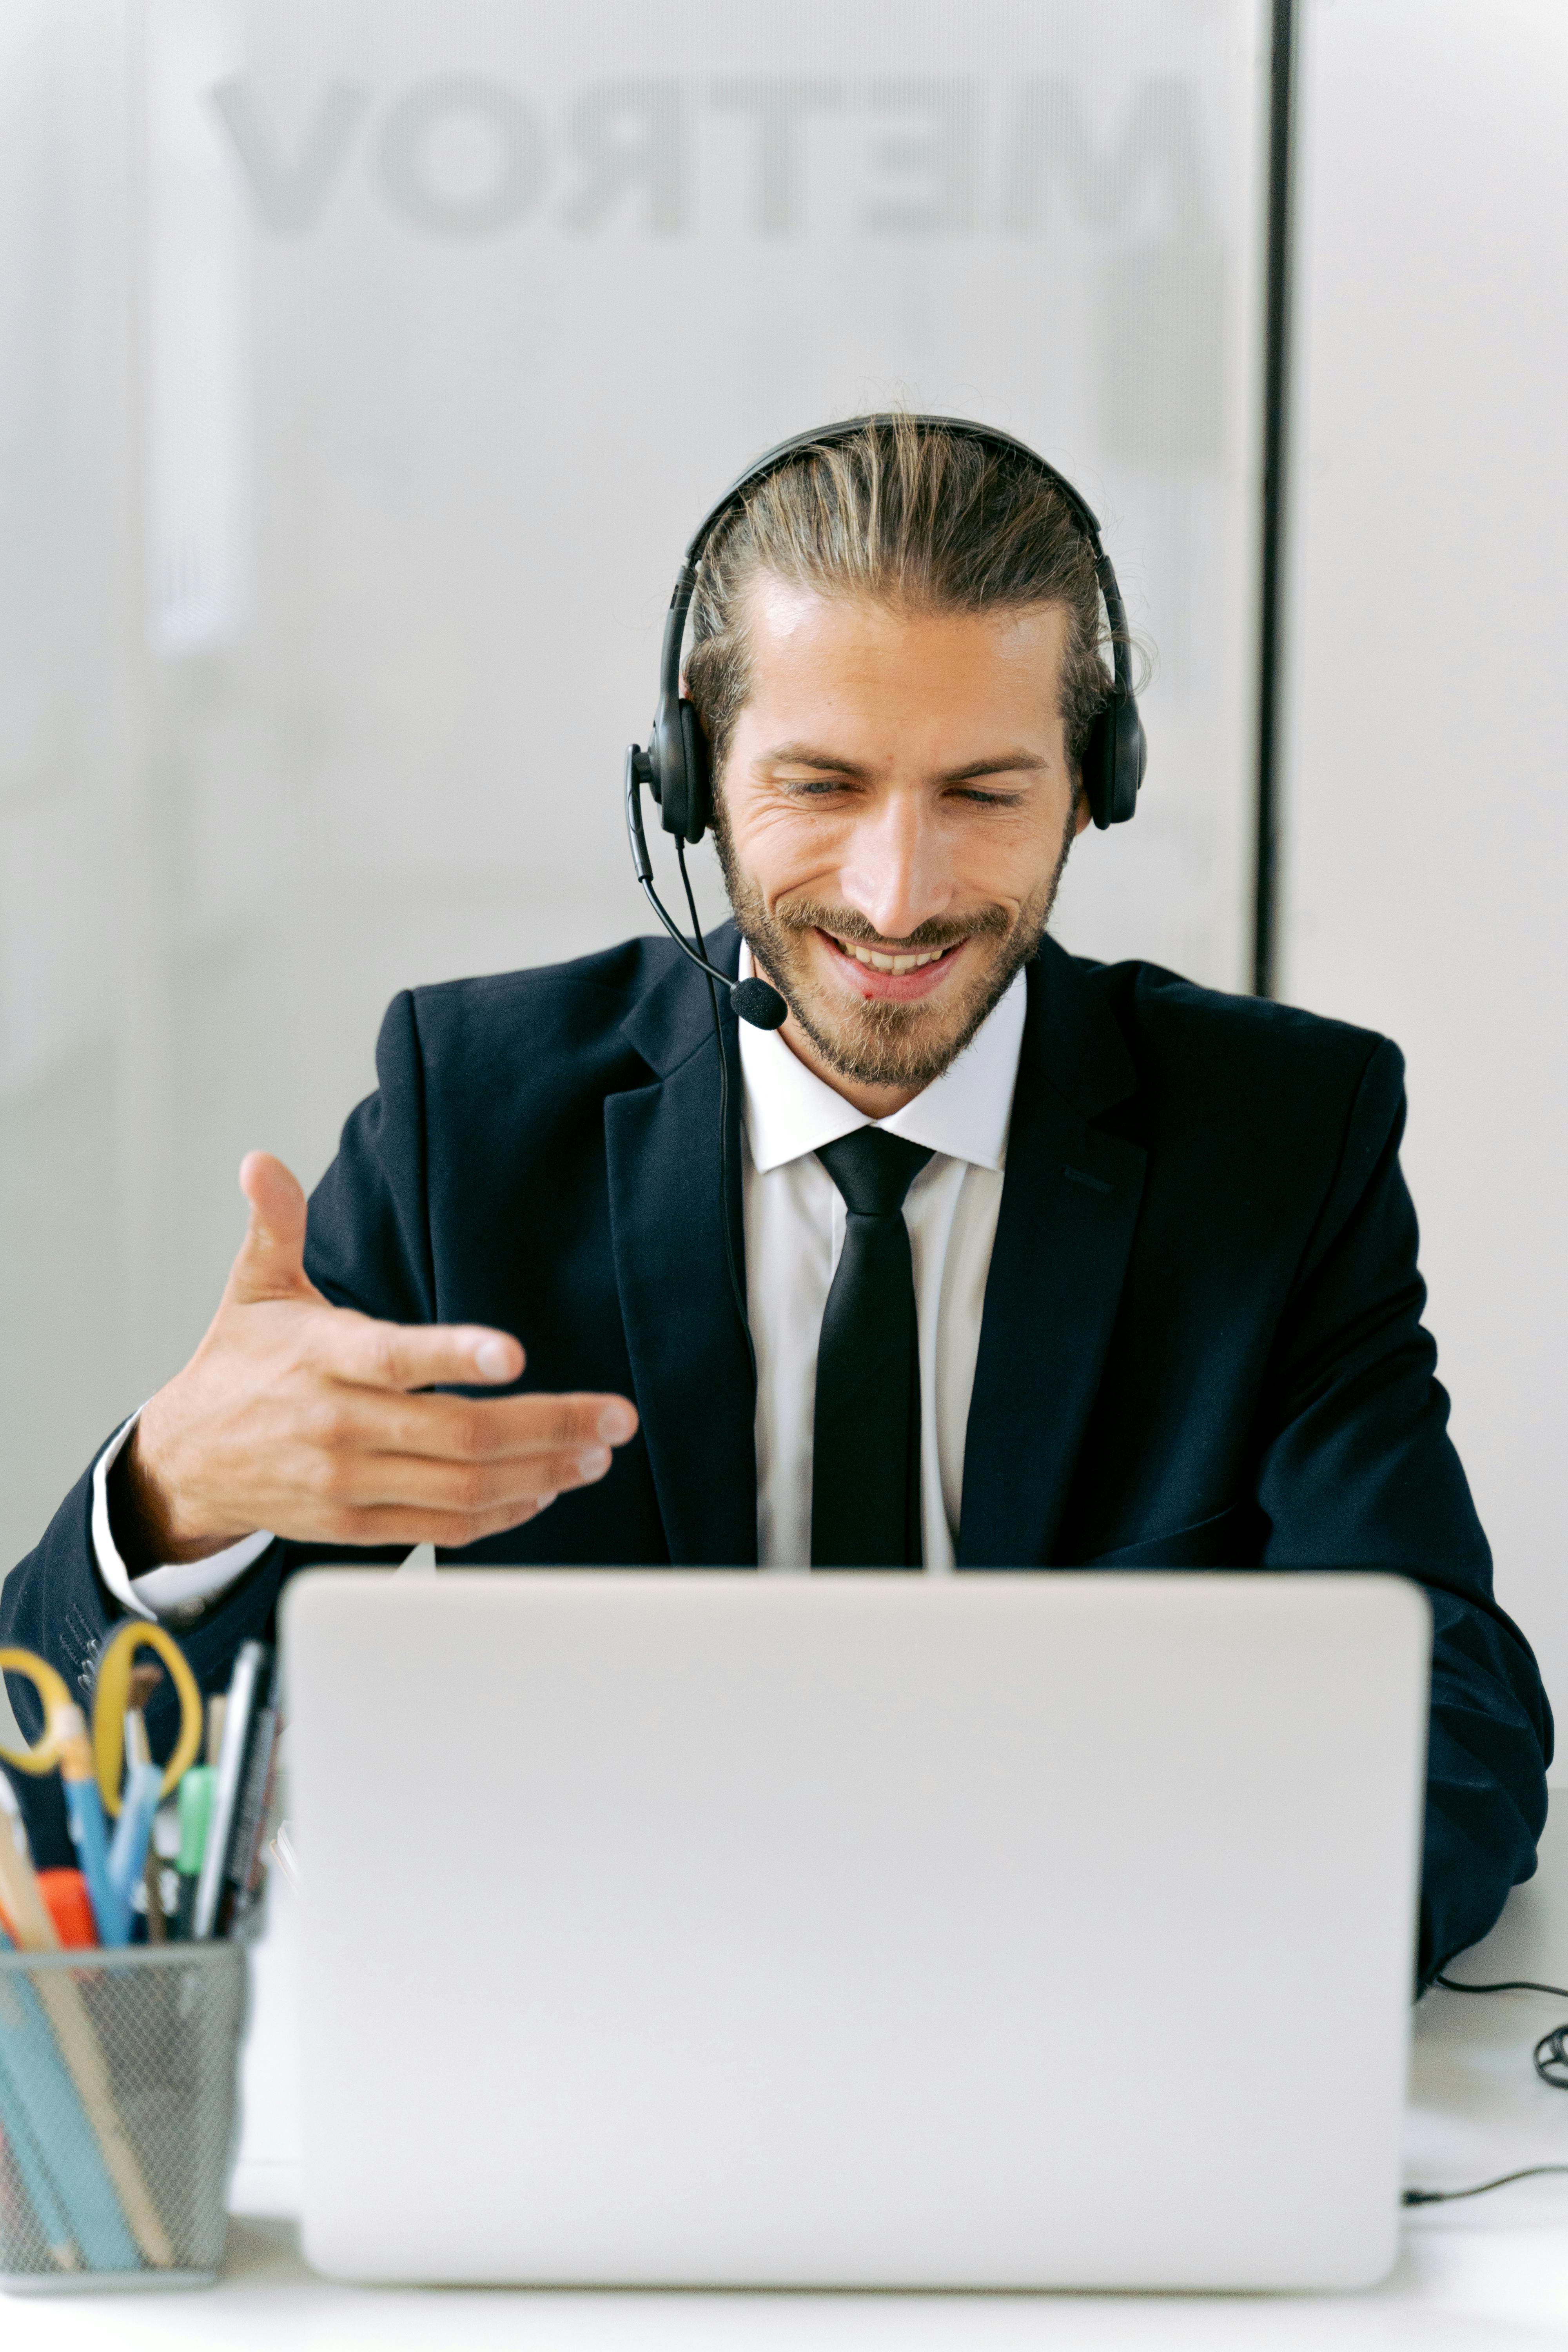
pixel 148 1524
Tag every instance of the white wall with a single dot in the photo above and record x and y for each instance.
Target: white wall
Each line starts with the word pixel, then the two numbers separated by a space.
pixel 1427 813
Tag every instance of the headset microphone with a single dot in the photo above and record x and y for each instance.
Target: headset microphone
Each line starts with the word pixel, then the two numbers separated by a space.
pixel 753 1000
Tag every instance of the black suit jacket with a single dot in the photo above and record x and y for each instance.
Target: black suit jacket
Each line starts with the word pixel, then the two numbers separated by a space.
pixel 1201 1346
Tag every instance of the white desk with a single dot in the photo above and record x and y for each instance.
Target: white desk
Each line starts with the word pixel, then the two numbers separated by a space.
pixel 1493 2273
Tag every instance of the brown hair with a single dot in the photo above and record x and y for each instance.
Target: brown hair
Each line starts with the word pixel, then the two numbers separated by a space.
pixel 908 515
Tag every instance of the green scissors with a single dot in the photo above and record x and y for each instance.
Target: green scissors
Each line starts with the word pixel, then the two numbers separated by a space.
pixel 111 1698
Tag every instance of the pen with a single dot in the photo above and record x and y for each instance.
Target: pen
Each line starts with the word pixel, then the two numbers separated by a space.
pixel 21 2139
pixel 152 1884
pixel 144 1794
pixel 66 1900
pixel 23 2147
pixel 84 1812
pixel 89 2156
pixel 243 1868
pixel 28 1919
pixel 144 1680
pixel 195 1816
pixel 245 1695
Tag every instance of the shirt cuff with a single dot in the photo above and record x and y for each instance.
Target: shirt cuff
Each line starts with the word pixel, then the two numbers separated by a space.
pixel 180 1591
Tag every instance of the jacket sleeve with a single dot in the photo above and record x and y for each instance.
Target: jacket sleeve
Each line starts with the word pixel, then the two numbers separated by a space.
pixel 366 1246
pixel 1357 1470
pixel 368 1241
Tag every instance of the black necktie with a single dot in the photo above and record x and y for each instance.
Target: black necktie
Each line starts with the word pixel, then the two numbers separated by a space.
pixel 866 1440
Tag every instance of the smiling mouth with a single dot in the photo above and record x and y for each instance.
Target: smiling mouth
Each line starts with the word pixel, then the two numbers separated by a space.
pixel 879 960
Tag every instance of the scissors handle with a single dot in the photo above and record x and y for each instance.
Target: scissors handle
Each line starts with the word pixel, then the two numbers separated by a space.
pixel 111 1697
pixel 53 1695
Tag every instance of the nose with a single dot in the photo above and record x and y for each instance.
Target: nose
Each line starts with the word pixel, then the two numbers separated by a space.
pixel 896 870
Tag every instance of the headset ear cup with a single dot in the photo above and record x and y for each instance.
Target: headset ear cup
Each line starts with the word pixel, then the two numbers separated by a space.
pixel 1113 762
pixel 678 755
pixel 1131 759
pixel 1092 773
pixel 671 778
pixel 699 808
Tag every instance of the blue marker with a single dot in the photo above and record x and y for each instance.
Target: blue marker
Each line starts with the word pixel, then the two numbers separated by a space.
pixel 132 1834
pixel 84 1813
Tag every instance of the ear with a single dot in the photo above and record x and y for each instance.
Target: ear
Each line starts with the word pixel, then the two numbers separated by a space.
pixel 1083 814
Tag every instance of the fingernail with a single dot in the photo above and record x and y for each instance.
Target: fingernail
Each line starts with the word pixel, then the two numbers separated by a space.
pixel 593 1461
pixel 542 1504
pixel 617 1424
pixel 494 1358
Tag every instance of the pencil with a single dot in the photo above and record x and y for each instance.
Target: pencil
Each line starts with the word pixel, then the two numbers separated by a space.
pixel 78 2046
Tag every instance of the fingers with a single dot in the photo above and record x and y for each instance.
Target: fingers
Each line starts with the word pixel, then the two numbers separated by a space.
pixel 344 1494
pixel 472 1491
pixel 396 1524
pixel 387 1468
pixel 271 1260
pixel 369 1467
pixel 355 1349
pixel 470 1429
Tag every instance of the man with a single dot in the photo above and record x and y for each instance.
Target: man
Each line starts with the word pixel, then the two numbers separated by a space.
pixel 1040 1262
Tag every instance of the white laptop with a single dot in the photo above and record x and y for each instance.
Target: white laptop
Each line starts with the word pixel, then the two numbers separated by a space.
pixel 1007 1931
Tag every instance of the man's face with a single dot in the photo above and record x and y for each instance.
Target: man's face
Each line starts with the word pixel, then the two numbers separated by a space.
pixel 893 818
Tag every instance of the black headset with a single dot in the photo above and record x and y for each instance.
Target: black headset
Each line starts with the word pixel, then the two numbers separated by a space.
pixel 677 767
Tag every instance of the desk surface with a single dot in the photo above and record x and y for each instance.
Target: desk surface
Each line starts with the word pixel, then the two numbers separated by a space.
pixel 1493 2273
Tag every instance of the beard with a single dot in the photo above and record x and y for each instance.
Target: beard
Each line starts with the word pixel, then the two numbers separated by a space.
pixel 871 1041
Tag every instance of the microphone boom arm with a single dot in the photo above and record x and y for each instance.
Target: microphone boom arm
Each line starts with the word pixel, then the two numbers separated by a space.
pixel 751 1000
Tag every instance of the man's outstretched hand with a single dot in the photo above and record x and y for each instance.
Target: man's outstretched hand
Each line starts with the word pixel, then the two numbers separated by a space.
pixel 298 1416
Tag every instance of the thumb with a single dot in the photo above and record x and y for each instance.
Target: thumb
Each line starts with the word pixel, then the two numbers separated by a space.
pixel 271 1260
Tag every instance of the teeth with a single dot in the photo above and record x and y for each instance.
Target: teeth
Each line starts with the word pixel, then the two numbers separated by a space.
pixel 894 963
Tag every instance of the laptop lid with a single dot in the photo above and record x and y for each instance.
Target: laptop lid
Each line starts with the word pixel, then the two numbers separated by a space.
pixel 988 1930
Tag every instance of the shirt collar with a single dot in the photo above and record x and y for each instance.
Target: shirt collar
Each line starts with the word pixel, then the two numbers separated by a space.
pixel 963 1114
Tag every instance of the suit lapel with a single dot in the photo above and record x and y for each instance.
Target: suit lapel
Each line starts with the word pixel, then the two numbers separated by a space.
pixel 1070 1204
pixel 691 1371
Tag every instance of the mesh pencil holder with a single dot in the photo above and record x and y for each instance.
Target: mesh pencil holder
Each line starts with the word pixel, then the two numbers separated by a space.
pixel 118 2110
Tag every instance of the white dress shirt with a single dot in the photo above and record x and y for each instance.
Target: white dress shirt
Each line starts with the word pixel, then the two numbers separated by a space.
pixel 794 1220
pixel 163 1595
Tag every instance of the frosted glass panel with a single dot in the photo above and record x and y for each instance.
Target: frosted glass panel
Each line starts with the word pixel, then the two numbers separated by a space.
pixel 365 367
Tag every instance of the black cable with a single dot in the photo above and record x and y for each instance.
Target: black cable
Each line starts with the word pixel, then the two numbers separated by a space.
pixel 1452 2196
pixel 1553 2068
pixel 1509 1984
pixel 1550 2055
pixel 736 1292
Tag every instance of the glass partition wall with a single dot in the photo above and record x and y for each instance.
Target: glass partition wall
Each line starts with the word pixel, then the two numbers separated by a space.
pixel 365 369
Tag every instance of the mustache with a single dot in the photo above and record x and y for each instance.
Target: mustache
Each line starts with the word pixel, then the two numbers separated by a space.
pixel 844 923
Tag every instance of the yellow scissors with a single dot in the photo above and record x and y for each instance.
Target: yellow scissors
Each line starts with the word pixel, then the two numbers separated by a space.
pixel 111 1698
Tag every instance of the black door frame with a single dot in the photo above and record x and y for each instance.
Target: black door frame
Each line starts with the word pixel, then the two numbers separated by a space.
pixel 1271 560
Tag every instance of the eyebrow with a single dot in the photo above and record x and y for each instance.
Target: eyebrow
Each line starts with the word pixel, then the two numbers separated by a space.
pixel 804 755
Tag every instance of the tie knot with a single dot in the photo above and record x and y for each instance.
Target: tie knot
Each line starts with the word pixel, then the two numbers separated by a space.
pixel 873 1170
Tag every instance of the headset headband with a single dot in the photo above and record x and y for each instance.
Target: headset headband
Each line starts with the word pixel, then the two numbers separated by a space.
pixel 832 436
